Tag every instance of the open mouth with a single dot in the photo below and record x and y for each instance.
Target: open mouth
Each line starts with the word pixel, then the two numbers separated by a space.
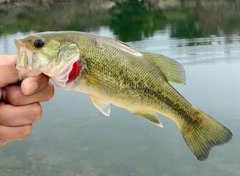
pixel 24 63
pixel 24 56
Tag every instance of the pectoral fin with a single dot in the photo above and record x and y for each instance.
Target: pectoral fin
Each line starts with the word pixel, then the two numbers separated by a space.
pixel 92 79
pixel 150 116
pixel 173 71
pixel 100 105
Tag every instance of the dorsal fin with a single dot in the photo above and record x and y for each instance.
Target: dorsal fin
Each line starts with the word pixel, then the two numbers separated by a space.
pixel 173 71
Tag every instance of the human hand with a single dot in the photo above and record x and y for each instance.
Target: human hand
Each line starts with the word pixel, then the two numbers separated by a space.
pixel 19 105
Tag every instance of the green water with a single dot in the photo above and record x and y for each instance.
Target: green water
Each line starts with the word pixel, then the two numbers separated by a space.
pixel 74 139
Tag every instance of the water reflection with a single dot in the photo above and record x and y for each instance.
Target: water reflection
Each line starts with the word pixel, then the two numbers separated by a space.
pixel 129 20
pixel 135 20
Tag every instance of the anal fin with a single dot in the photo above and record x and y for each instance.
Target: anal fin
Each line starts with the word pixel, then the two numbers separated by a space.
pixel 150 116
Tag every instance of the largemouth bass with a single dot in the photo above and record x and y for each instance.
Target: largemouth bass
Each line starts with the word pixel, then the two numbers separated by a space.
pixel 110 71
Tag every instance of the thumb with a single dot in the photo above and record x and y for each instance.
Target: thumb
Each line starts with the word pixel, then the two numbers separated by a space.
pixel 8 71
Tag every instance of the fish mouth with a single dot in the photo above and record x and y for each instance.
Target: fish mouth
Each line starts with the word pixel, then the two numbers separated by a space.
pixel 16 43
pixel 26 60
pixel 24 63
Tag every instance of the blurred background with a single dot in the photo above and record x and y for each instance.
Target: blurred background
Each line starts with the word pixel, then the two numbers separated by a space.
pixel 74 139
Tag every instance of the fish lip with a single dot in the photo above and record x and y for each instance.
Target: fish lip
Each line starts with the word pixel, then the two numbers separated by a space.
pixel 19 49
pixel 24 69
pixel 17 46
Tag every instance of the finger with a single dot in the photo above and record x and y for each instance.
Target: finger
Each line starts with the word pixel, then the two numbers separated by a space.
pixel 1 93
pixel 15 116
pixel 8 74
pixel 34 84
pixel 13 95
pixel 15 133
pixel 7 59
pixel 3 142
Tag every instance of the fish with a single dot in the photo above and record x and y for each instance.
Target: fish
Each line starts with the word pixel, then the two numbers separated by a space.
pixel 112 72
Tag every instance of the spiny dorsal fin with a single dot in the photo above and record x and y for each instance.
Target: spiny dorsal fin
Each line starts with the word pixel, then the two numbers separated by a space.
pixel 173 71
pixel 150 116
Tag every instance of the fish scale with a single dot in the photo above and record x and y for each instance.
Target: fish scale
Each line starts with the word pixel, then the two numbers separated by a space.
pixel 126 78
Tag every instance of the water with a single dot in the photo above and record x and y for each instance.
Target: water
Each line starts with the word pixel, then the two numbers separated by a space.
pixel 75 139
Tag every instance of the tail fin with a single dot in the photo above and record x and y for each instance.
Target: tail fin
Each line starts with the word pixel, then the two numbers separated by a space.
pixel 205 135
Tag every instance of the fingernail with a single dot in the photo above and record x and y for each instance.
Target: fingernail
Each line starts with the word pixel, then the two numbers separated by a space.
pixel 31 88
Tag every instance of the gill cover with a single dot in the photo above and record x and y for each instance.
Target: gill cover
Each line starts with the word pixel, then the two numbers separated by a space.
pixel 66 59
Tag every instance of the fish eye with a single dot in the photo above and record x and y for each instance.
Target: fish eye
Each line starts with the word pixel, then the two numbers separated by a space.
pixel 38 43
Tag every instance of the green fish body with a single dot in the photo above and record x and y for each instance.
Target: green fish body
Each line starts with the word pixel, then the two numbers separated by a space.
pixel 111 72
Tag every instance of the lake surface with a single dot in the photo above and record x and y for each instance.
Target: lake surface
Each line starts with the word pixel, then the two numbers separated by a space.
pixel 74 139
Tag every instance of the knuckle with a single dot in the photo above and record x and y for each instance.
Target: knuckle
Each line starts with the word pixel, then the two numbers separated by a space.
pixel 49 93
pixel 3 141
pixel 36 111
pixel 13 98
pixel 5 119
pixel 2 113
pixel 25 131
pixel 1 93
